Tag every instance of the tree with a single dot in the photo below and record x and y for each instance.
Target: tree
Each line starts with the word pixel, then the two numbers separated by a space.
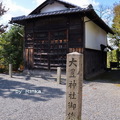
pixel 11 47
pixel 2 12
pixel 105 13
pixel 115 39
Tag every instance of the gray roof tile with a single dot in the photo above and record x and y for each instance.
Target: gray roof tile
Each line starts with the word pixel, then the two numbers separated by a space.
pixel 71 10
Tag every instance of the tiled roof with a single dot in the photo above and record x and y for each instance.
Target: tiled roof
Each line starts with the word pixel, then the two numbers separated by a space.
pixel 89 12
pixel 71 10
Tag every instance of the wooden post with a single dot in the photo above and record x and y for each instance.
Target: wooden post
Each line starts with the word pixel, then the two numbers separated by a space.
pixel 58 75
pixel 74 86
pixel 10 70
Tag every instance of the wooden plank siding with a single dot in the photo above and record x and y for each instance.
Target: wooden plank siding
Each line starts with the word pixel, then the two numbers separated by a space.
pixel 95 61
pixel 51 38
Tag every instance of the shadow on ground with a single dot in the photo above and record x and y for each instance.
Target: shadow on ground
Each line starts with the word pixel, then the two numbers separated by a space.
pixel 12 89
pixel 49 77
pixel 112 76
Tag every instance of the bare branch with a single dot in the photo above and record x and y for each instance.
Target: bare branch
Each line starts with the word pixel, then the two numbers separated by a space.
pixel 105 13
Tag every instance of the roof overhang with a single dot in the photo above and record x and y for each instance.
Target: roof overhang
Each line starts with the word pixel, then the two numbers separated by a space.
pixel 89 12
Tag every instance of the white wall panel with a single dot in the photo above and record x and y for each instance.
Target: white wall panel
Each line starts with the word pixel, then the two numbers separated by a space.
pixel 94 35
pixel 53 7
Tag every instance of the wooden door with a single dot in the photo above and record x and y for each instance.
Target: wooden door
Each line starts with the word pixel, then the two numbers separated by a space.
pixel 29 58
pixel 50 49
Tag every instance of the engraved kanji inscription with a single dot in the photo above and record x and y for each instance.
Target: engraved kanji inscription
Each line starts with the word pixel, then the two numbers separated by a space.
pixel 71 105
pixel 72 84
pixel 72 73
pixel 72 95
pixel 73 62
pixel 71 116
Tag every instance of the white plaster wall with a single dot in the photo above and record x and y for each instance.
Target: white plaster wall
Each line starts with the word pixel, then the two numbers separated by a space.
pixel 94 35
pixel 53 7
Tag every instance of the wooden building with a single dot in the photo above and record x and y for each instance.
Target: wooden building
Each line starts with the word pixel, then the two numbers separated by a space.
pixel 56 28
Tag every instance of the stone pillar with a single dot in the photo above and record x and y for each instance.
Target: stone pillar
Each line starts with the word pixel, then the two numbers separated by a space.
pixel 74 86
pixel 10 70
pixel 58 75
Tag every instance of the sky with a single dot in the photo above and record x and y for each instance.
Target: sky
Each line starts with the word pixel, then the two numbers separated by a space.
pixel 24 7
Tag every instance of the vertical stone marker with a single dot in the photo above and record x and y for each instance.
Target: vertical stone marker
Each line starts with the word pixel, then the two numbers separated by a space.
pixel 74 86
pixel 10 70
pixel 58 75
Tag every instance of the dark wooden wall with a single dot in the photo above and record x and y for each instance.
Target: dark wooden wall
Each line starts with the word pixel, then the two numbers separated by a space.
pixel 49 39
pixel 95 61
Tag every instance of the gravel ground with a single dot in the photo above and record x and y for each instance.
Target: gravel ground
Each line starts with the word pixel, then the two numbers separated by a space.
pixel 101 98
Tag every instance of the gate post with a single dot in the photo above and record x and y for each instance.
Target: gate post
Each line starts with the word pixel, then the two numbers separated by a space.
pixel 74 86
